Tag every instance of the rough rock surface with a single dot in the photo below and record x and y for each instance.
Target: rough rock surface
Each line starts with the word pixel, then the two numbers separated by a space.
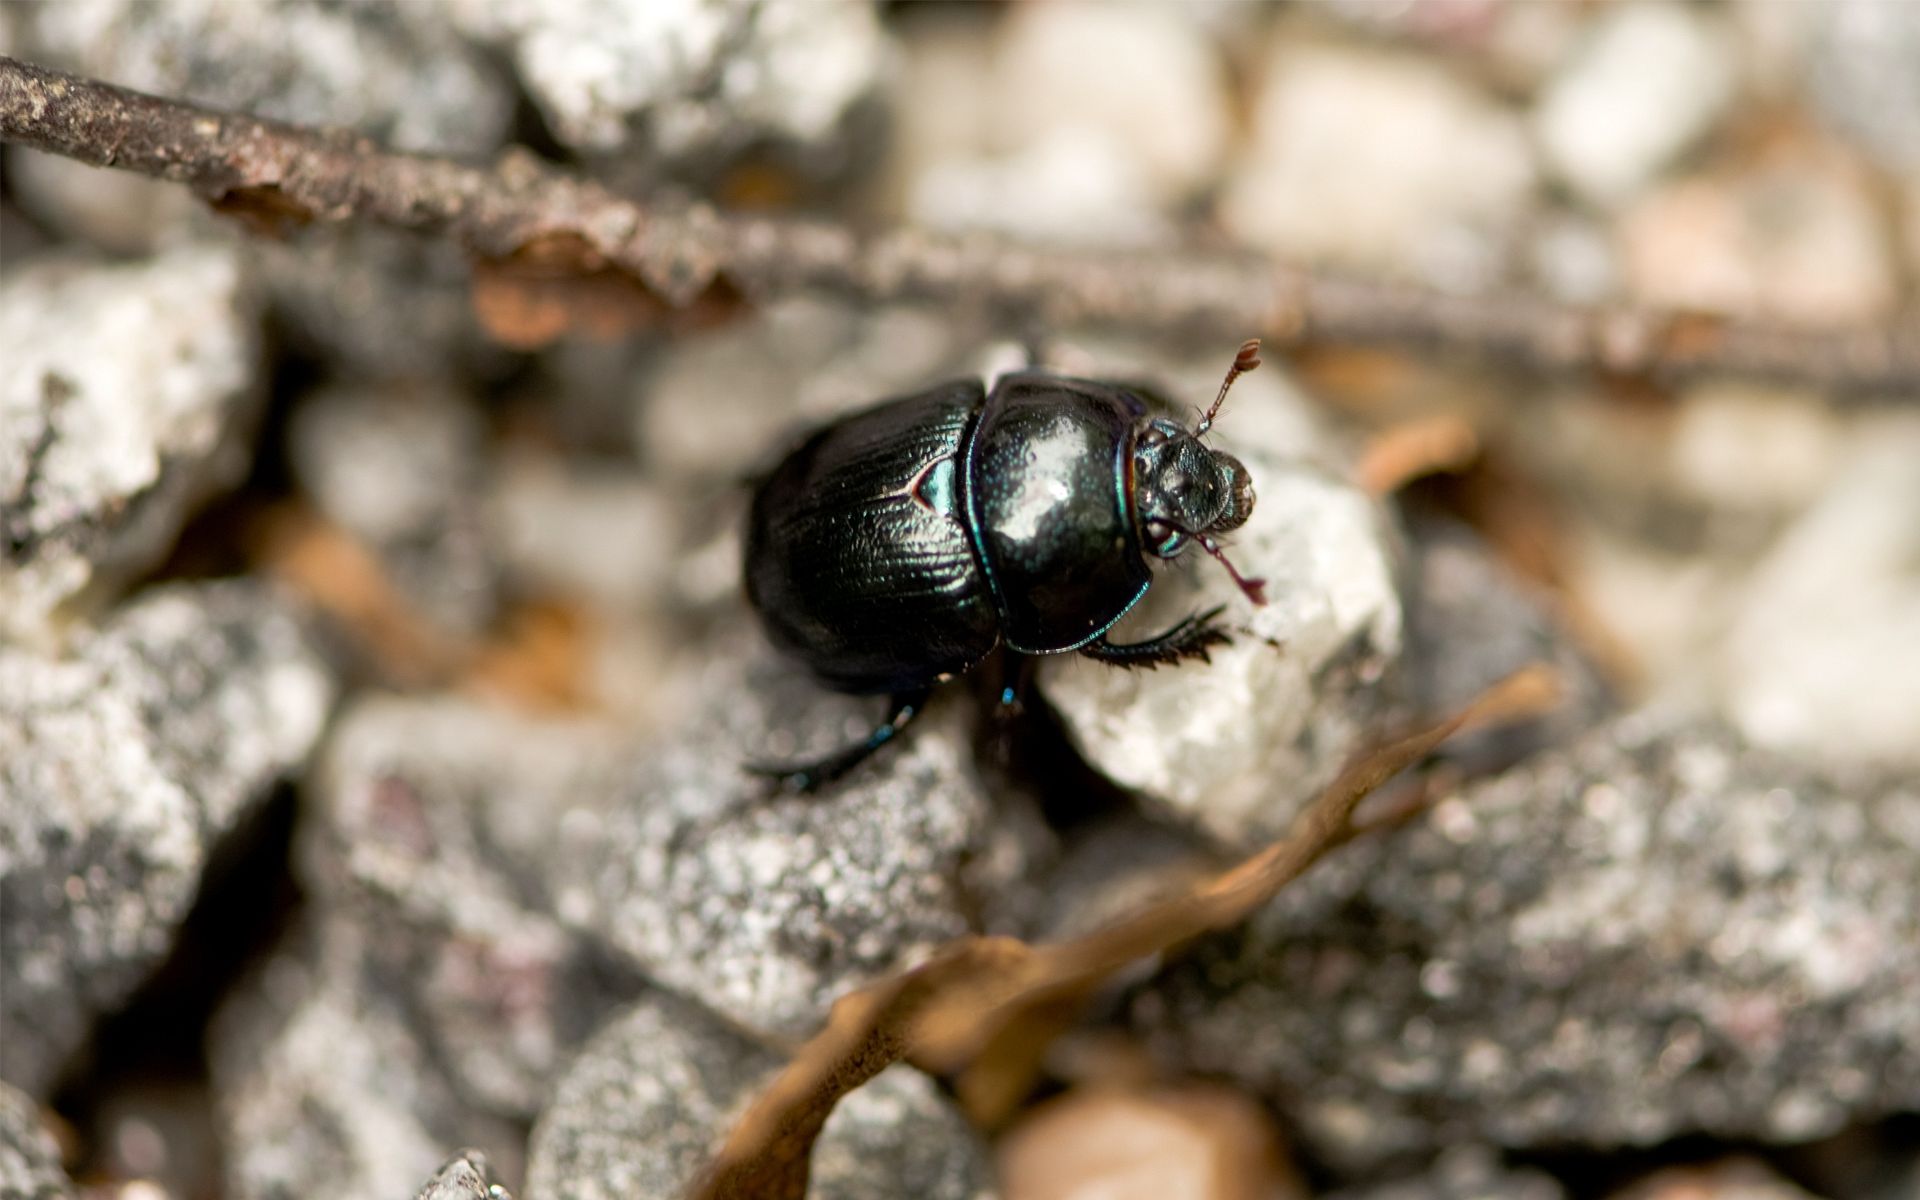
pixel 394 72
pixel 127 394
pixel 404 470
pixel 324 1086
pixel 687 78
pixel 467 1176
pixel 767 908
pixel 122 764
pixel 29 1157
pixel 1237 745
pixel 1659 930
pixel 432 837
pixel 650 1096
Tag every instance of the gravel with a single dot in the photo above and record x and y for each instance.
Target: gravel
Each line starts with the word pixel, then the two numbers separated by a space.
pixel 124 763
pixel 653 1092
pixel 1656 932
pixel 766 909
pixel 29 1157
pixel 128 395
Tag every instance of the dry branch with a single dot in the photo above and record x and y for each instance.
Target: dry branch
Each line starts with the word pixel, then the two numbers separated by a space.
pixel 681 253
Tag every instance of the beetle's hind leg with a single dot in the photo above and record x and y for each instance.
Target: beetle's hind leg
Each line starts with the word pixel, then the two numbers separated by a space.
pixel 812 776
pixel 1189 639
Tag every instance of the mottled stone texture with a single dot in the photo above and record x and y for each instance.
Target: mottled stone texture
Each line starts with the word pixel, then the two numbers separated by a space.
pixel 126 400
pixel 123 763
pixel 1658 931
pixel 652 1094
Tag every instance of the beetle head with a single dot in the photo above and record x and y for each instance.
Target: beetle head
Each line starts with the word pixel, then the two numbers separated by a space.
pixel 1184 490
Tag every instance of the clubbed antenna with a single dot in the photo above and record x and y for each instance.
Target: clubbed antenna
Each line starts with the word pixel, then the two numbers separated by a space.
pixel 1246 360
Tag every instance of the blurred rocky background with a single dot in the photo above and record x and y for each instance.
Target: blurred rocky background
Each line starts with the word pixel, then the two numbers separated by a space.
pixel 373 686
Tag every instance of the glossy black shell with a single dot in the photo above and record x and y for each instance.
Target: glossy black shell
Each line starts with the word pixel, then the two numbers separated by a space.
pixel 901 544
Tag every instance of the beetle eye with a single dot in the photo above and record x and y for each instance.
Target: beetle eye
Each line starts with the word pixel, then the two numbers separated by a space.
pixel 1161 535
pixel 1152 435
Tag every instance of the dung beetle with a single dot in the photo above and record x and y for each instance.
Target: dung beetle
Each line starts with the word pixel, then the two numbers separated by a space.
pixel 898 547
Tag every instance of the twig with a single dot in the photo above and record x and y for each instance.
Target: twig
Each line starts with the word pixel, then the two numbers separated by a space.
pixel 680 252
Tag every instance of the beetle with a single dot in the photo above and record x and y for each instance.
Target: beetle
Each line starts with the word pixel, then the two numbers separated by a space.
pixel 896 548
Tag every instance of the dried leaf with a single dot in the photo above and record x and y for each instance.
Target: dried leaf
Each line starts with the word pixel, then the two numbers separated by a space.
pixel 947 1010
pixel 342 578
pixel 1410 450
pixel 557 284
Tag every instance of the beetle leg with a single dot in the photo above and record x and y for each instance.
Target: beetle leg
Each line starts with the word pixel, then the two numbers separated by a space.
pixel 1016 672
pixel 812 776
pixel 1189 639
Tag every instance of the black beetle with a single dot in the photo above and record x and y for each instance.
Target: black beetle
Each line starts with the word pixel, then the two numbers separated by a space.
pixel 896 548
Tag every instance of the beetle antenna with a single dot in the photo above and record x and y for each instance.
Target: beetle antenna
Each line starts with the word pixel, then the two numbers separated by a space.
pixel 1255 589
pixel 1246 360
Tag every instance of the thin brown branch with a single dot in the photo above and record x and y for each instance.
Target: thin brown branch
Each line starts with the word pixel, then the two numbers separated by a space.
pixel 681 252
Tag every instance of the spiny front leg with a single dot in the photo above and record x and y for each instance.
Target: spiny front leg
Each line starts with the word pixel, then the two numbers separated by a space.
pixel 1189 639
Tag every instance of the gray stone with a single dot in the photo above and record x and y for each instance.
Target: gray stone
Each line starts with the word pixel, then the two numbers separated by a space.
pixel 29 1157
pixel 324 1087
pixel 1471 622
pixel 1002 127
pixel 1462 1173
pixel 467 1176
pixel 722 404
pixel 1650 80
pixel 1819 657
pixel 767 908
pixel 432 832
pixel 395 72
pixel 598 531
pixel 404 470
pixel 653 1093
pixel 1430 176
pixel 122 213
pixel 122 764
pixel 128 395
pixel 1237 745
pixel 378 303
pixel 1658 931
pixel 1861 76
pixel 690 80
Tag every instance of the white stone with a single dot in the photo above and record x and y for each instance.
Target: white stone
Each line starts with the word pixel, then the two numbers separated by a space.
pixel 684 76
pixel 1822 655
pixel 1382 161
pixel 126 398
pixel 1648 83
pixel 1146 79
pixel 1236 746
pixel 1070 122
